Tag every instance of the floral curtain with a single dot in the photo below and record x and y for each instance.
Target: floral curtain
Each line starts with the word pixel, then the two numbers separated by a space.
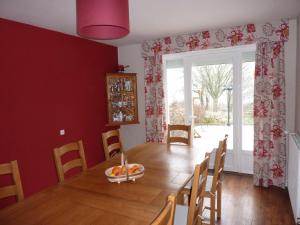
pixel 154 100
pixel 153 50
pixel 269 115
pixel 269 110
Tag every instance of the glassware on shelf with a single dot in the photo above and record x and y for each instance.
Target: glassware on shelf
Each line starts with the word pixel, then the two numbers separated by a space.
pixel 122 98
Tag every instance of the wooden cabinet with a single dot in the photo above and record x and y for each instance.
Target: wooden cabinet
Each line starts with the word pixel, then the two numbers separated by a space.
pixel 121 89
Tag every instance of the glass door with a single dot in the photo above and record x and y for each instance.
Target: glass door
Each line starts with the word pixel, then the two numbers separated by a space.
pixel 213 100
pixel 247 100
pixel 213 90
pixel 175 92
pixel 176 96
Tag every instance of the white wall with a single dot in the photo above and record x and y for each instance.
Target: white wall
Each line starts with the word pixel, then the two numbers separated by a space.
pixel 290 75
pixel 131 55
pixel 134 134
pixel 298 82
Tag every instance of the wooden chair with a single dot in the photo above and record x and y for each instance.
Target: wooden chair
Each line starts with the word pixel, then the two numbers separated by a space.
pixel 166 217
pixel 192 215
pixel 176 139
pixel 111 150
pixel 79 162
pixel 12 190
pixel 214 184
pixel 219 176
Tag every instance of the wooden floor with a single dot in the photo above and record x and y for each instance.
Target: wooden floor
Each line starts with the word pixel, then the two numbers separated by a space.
pixel 244 204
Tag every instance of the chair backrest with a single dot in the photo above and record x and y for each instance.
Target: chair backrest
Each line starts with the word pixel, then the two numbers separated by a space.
pixel 79 162
pixel 178 139
pixel 166 216
pixel 197 195
pixel 111 149
pixel 219 164
pixel 15 189
pixel 224 147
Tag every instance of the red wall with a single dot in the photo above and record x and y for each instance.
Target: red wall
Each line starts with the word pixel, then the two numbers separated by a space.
pixel 50 81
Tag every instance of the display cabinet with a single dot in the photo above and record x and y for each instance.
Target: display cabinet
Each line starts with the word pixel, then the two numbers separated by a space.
pixel 121 89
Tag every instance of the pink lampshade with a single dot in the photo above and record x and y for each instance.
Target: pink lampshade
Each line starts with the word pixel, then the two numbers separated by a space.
pixel 102 19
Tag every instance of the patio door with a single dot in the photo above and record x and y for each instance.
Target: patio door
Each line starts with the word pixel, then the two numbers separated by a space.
pixel 213 91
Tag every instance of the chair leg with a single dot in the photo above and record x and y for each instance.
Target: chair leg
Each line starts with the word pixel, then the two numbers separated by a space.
pixel 219 200
pixel 212 209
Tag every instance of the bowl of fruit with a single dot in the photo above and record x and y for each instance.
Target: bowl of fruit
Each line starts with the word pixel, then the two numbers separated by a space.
pixel 124 173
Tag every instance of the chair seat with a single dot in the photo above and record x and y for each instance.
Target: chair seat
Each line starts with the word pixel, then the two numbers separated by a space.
pixel 181 213
pixel 207 187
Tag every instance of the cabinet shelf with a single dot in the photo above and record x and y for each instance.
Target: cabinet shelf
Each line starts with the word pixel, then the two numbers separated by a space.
pixel 121 89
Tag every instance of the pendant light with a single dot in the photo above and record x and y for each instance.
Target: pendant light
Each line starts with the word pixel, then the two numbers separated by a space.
pixel 102 19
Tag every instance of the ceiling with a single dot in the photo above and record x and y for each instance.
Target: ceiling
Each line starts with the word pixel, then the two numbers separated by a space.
pixel 151 19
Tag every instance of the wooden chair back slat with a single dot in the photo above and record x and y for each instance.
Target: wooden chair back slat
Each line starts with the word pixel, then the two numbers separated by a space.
pixel 72 164
pixel 166 216
pixel 174 139
pixel 216 168
pixel 219 164
pixel 197 195
pixel 8 191
pixel 110 148
pixel 5 168
pixel 179 127
pixel 111 133
pixel 63 168
pixel 224 151
pixel 114 146
pixel 68 148
pixel 179 139
pixel 11 190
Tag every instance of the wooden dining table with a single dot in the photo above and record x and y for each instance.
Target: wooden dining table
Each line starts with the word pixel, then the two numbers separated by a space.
pixel 90 199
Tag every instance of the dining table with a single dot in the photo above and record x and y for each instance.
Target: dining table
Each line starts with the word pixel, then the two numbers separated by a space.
pixel 88 198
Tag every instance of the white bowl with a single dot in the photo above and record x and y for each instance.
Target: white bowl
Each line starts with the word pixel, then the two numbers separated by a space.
pixel 141 171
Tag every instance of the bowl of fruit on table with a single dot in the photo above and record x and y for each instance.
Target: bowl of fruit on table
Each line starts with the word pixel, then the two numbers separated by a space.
pixel 122 173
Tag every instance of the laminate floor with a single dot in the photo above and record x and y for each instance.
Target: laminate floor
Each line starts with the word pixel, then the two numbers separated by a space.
pixel 244 204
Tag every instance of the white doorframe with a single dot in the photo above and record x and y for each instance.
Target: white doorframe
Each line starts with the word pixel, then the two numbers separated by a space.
pixel 237 160
pixel 187 91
